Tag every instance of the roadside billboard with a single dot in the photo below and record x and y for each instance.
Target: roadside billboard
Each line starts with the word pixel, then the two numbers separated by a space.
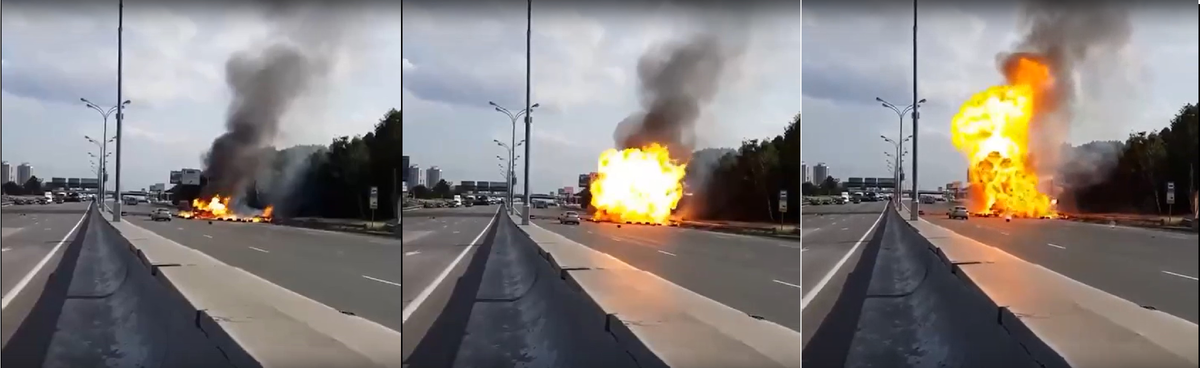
pixel 190 177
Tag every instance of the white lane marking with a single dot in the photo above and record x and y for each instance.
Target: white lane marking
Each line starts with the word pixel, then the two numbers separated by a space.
pixel 16 289
pixel 420 299
pixel 1005 233
pixel 412 253
pixel 381 280
pixel 208 236
pixel 6 249
pixel 845 228
pixel 787 283
pixel 589 232
pixel 1193 278
pixel 179 228
pixel 258 249
pixel 802 250
pixel 812 293
pixel 667 253
pixel 1056 246
pixel 455 232
pixel 46 229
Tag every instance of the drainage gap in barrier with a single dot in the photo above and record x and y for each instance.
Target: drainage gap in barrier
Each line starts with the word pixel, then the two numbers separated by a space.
pixel 154 268
pixel 966 263
pixel 348 313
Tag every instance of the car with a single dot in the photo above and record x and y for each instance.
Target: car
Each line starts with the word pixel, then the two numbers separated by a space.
pixel 958 212
pixel 160 214
pixel 569 218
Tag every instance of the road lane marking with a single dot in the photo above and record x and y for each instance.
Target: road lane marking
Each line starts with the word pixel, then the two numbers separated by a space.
pixel 845 228
pixel 46 229
pixel 7 249
pixel 258 249
pixel 812 293
pixel 1005 234
pixel 667 253
pixel 381 280
pixel 787 283
pixel 16 289
pixel 1056 246
pixel 802 250
pixel 420 299
pixel 208 236
pixel 412 253
pixel 1193 278
pixel 179 228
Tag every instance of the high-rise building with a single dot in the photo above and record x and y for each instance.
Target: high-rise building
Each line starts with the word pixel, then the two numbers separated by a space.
pixel 416 176
pixel 24 172
pixel 7 173
pixel 404 163
pixel 804 178
pixel 433 176
pixel 820 173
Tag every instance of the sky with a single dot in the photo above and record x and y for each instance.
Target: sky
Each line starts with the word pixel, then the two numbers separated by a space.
pixel 173 61
pixel 854 54
pixel 583 76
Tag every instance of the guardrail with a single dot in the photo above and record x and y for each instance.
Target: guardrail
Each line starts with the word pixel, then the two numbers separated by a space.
pixel 904 305
pixel 657 323
pixel 104 306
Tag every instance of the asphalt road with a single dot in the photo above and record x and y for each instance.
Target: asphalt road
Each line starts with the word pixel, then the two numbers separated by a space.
pixel 832 236
pixel 756 275
pixel 30 233
pixel 1153 268
pixel 353 273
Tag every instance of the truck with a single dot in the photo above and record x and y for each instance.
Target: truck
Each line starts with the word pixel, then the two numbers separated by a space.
pixel 458 201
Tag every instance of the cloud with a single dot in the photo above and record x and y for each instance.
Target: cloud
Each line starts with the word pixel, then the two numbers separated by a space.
pixel 583 78
pixel 855 54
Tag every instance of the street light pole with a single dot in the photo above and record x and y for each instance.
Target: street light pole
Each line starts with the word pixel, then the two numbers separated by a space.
pixel 916 115
pixel 528 119
pixel 899 145
pixel 116 216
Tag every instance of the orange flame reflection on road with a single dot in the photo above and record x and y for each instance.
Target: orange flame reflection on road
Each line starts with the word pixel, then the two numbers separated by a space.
pixel 992 129
pixel 638 185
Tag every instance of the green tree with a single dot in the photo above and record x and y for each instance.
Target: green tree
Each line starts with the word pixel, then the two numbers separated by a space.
pixel 829 185
pixel 442 189
pixel 33 185
pixel 422 192
pixel 13 188
pixel 748 180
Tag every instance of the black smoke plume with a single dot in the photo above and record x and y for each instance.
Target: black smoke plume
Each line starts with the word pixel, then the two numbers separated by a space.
pixel 676 81
pixel 1066 36
pixel 264 86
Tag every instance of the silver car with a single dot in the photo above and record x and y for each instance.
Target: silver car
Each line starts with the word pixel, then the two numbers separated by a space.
pixel 569 217
pixel 160 214
pixel 958 212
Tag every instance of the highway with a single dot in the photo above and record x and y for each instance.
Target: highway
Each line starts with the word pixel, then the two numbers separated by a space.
pixel 30 234
pixel 832 236
pixel 438 245
pixel 1153 268
pixel 756 275
pixel 354 273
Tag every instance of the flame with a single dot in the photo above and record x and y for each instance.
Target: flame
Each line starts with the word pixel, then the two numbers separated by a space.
pixel 992 130
pixel 638 185
pixel 217 208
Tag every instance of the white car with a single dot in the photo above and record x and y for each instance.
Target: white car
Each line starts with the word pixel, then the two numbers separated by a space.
pixel 569 217
pixel 160 214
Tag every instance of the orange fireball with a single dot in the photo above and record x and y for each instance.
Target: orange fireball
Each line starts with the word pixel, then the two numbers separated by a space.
pixel 992 130
pixel 637 185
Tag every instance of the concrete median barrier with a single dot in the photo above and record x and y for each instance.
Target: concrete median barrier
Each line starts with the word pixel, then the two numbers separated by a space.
pixel 904 306
pixel 103 306
pixel 572 297
pixel 1054 320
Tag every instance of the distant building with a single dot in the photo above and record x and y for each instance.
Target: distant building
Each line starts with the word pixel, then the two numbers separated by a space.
pixel 433 176
pixel 416 176
pixel 24 172
pixel 820 173
pixel 7 173
pixel 804 177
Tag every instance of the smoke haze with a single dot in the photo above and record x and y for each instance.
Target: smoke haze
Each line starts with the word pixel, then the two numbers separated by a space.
pixel 1078 42
pixel 265 82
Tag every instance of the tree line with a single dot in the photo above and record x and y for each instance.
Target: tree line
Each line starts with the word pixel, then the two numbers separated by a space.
pixel 30 187
pixel 1133 174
